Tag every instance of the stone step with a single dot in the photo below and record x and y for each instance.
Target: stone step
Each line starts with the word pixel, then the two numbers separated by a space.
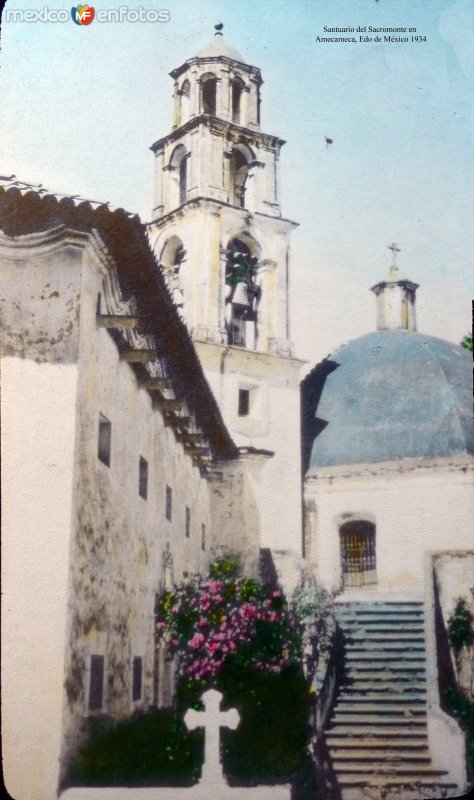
pixel 402 638
pixel 425 777
pixel 352 707
pixel 403 697
pixel 356 718
pixel 388 757
pixel 381 626
pixel 375 730
pixel 372 605
pixel 382 672
pixel 397 687
pixel 408 790
pixel 367 744
pixel 371 612
pixel 390 645
pixel 378 749
pixel 379 768
pixel 385 655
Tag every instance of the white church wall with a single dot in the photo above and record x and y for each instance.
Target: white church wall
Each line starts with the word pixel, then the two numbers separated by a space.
pixel 272 425
pixel 38 437
pixel 84 554
pixel 414 506
pixel 40 276
pixel 119 536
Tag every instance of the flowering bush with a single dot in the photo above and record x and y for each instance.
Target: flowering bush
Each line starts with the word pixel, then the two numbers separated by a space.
pixel 209 622
pixel 314 613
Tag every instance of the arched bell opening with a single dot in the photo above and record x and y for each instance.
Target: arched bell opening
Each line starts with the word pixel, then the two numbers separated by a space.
pixel 185 94
pixel 178 166
pixel 208 93
pixel 240 160
pixel 238 88
pixel 242 293
pixel 358 564
pixel 172 258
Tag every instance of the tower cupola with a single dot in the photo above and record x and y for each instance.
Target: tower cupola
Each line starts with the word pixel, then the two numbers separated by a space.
pixel 396 299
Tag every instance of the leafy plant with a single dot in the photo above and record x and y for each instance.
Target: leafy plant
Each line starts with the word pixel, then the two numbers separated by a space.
pixel 460 630
pixel 207 622
pixel 467 342
pixel 314 612
pixel 241 268
pixel 152 748
pixel 462 708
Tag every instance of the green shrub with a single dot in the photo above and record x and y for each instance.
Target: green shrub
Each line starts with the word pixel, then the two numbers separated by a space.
pixel 271 743
pixel 460 626
pixel 462 708
pixel 152 748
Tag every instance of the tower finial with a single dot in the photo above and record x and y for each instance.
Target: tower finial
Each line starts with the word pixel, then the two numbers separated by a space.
pixel 393 272
pixel 395 299
pixel 218 29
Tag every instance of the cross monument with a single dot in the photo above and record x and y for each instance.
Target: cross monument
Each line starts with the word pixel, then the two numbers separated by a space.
pixel 211 718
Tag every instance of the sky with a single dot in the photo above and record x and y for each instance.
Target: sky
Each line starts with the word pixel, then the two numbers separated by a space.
pixel 81 106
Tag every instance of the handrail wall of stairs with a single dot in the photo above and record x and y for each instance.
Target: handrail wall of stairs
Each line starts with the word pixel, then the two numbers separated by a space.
pixel 447 740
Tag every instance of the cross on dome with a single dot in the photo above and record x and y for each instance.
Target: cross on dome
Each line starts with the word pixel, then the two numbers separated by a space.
pixel 393 267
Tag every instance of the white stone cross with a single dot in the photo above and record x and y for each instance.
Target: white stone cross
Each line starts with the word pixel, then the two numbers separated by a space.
pixel 393 247
pixel 211 718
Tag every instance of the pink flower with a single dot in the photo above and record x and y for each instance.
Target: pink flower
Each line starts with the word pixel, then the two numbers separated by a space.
pixel 196 641
pixel 215 587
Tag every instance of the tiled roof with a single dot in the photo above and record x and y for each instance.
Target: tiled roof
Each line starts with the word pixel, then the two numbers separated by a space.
pixel 27 208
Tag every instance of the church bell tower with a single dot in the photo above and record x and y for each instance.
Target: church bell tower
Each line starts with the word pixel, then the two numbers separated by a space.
pixel 219 236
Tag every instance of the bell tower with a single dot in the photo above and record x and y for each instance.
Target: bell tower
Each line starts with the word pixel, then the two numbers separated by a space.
pixel 223 245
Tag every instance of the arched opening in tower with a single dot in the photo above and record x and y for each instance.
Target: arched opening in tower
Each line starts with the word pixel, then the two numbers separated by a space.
pixel 183 181
pixel 242 294
pixel 208 93
pixel 237 89
pixel 239 171
pixel 178 183
pixel 171 261
pixel 185 94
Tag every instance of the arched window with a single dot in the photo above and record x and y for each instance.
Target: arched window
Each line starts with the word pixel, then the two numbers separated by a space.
pixel 208 93
pixel 358 566
pixel 239 170
pixel 178 176
pixel 185 93
pixel 242 292
pixel 238 87
pixel 172 258
pixel 183 181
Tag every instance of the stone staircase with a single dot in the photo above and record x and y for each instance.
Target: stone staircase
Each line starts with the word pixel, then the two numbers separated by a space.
pixel 377 735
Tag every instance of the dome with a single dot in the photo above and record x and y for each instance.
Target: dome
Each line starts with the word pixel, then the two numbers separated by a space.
pixel 219 47
pixel 389 395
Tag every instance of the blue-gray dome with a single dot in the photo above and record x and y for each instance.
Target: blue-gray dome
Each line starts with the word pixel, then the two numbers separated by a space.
pixel 388 395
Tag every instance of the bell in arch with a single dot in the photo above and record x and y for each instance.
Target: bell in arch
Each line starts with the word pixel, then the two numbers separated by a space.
pixel 241 297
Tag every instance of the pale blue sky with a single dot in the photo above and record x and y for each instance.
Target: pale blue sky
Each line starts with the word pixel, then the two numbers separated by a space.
pixel 82 105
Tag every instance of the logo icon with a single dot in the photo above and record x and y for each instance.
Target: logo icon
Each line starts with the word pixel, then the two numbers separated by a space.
pixel 82 15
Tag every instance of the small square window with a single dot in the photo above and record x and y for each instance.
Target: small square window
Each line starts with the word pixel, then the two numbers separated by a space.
pixel 137 678
pixel 203 536
pixel 244 402
pixel 96 684
pixel 169 503
pixel 143 478
pixel 188 523
pixel 105 440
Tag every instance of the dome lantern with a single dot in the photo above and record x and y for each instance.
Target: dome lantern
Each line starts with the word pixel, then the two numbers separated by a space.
pixel 396 299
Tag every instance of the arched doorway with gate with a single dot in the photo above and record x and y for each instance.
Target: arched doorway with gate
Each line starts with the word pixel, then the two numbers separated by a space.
pixel 358 561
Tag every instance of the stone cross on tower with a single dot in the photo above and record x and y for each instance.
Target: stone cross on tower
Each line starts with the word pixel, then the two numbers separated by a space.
pixel 211 719
pixel 393 266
